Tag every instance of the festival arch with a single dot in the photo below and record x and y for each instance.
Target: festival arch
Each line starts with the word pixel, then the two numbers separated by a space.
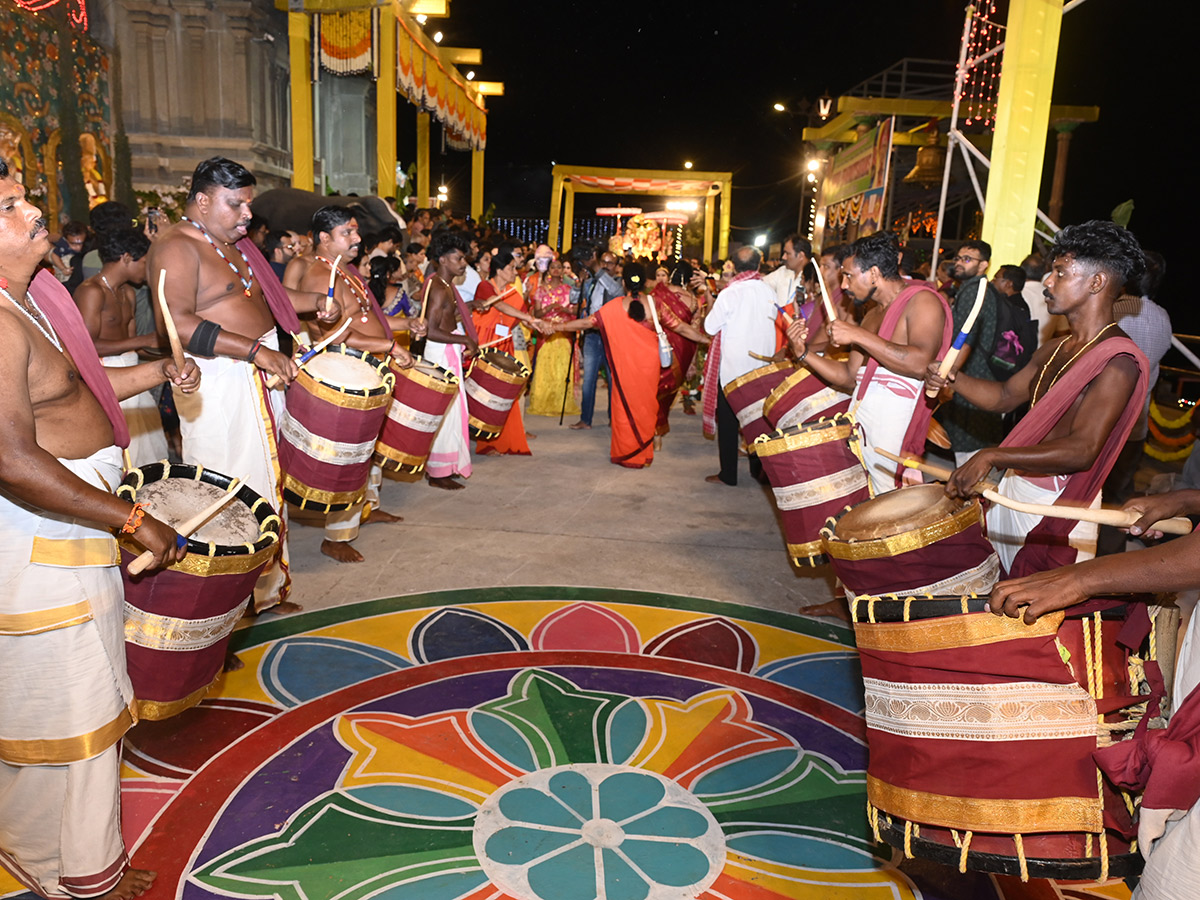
pixel 570 180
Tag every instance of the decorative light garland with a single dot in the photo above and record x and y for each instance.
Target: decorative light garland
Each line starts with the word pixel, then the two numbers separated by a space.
pixel 982 82
pixel 76 13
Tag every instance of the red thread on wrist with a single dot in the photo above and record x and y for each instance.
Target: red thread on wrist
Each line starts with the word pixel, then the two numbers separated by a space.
pixel 136 516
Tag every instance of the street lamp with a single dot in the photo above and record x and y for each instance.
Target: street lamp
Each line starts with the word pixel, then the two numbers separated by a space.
pixel 437 37
pixel 760 241
pixel 687 164
pixel 779 107
pixel 814 165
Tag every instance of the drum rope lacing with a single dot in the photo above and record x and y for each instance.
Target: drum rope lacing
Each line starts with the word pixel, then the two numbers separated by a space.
pixel 247 283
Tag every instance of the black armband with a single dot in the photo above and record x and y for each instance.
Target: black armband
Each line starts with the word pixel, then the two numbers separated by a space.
pixel 204 338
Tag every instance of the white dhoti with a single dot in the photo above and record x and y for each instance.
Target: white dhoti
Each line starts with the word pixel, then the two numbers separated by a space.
pixel 65 697
pixel 1009 530
pixel 147 441
pixel 342 526
pixel 451 452
pixel 228 426
pixel 884 413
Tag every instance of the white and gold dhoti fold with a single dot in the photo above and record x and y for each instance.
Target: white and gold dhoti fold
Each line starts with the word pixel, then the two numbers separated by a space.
pixel 65 698
pixel 147 441
pixel 451 451
pixel 228 426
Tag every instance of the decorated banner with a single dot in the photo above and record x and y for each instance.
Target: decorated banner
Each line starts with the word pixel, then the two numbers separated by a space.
pixel 421 77
pixel 853 194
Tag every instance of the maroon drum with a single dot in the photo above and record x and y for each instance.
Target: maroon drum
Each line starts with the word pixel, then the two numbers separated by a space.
pixel 800 398
pixel 747 394
pixel 915 540
pixel 420 399
pixel 494 383
pixel 178 620
pixel 815 472
pixel 332 418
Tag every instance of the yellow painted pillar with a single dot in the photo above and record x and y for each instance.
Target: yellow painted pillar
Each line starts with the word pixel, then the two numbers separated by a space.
pixel 423 159
pixel 385 105
pixel 555 210
pixel 726 219
pixel 708 229
pixel 476 184
pixel 300 58
pixel 1022 119
pixel 569 218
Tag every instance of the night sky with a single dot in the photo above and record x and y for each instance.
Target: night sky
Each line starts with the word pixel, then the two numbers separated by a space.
pixel 651 85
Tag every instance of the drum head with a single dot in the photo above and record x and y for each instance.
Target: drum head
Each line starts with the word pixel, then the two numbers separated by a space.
pixel 175 500
pixel 342 370
pixel 896 512
pixel 502 361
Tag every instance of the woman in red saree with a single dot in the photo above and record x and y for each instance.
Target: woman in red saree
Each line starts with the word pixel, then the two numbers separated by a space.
pixel 676 308
pixel 496 309
pixel 633 364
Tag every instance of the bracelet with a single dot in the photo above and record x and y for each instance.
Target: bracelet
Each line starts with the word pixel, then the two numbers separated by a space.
pixel 136 516
pixel 391 348
pixel 258 345
pixel 802 357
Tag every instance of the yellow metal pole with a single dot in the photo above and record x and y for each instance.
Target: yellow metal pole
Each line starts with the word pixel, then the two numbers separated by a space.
pixel 555 209
pixel 299 50
pixel 708 228
pixel 476 184
pixel 726 218
pixel 569 218
pixel 423 159
pixel 385 105
pixel 1022 118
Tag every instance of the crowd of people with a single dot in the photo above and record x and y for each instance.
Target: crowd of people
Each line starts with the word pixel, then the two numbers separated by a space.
pixel 1049 392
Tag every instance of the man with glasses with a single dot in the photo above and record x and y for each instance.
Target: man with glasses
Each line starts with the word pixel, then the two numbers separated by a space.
pixel 279 248
pixel 598 288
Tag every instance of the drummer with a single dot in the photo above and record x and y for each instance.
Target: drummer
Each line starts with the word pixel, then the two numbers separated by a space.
pixel 225 300
pixel 1085 392
pixel 335 232
pixel 64 691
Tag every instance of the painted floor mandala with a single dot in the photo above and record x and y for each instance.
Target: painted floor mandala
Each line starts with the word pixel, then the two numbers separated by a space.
pixel 527 744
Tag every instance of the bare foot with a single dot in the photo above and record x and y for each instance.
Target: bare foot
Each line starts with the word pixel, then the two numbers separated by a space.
pixel 284 608
pixel 657 442
pixel 133 883
pixel 530 437
pixel 490 451
pixel 716 479
pixel 833 609
pixel 579 425
pixel 378 515
pixel 446 484
pixel 341 551
pixel 232 663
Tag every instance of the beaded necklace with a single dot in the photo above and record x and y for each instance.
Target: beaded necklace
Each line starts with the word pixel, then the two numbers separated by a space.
pixel 47 329
pixel 246 282
pixel 1037 395
pixel 360 297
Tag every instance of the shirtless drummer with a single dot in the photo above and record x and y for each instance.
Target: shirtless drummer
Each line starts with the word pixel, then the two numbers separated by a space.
pixel 219 308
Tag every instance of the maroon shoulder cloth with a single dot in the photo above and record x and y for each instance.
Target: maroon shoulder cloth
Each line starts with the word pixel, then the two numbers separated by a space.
pixel 1047 547
pixel 56 304
pixel 273 290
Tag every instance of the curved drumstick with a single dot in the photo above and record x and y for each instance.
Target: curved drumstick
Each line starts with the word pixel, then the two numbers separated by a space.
pixel 185 530
pixel 830 315
pixel 274 381
pixel 961 338
pixel 333 270
pixel 1118 518
pixel 172 332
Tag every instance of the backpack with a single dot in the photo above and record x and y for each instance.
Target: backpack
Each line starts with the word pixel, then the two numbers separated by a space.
pixel 1016 337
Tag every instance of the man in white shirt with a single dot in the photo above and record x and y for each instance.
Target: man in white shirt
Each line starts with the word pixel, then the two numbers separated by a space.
pixel 744 318
pixel 788 278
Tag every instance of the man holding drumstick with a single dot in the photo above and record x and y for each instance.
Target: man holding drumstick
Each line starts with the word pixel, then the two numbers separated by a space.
pixel 66 698
pixel 1085 393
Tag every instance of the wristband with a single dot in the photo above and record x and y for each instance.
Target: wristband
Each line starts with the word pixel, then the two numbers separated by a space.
pixel 258 345
pixel 204 338
pixel 136 516
pixel 802 357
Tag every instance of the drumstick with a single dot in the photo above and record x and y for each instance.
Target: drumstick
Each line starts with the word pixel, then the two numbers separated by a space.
pixel 499 340
pixel 172 332
pixel 759 356
pixel 1118 518
pixel 961 338
pixel 787 318
pixel 332 278
pixel 185 530
pixel 274 381
pixel 825 301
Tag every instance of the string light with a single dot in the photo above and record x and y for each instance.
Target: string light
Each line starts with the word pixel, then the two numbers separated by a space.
pixel 76 12
pixel 982 80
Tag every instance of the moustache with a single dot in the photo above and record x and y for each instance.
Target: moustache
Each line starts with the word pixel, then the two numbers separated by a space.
pixel 1046 293
pixel 39 224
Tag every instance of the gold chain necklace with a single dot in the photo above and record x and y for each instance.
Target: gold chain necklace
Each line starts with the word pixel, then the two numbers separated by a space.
pixel 1037 395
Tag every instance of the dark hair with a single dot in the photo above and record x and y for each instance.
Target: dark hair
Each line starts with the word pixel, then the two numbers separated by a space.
pixel 413 249
pixel 838 251
pixel 219 172
pixel 1104 245
pixel 381 268
pixel 681 274
pixel 501 258
pixel 582 254
pixel 327 218
pixel 634 276
pixel 445 242
pixel 746 259
pixel 1152 278
pixel 908 261
pixel 1014 275
pixel 256 222
pixel 879 250
pixel 984 248
pixel 390 233
pixel 799 244
pixel 3 168
pixel 114 244
pixel 273 241
pixel 74 227
pixel 111 216
pixel 809 272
